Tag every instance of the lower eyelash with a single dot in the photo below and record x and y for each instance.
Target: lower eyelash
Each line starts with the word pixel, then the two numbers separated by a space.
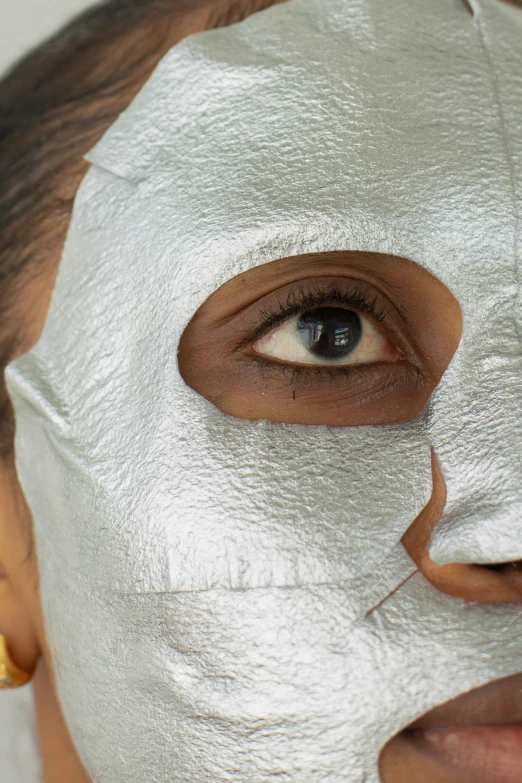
pixel 299 377
pixel 296 372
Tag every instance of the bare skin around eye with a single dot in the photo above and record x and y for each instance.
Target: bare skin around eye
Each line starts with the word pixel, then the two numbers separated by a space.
pixel 411 308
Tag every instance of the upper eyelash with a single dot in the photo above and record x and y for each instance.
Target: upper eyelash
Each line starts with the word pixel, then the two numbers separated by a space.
pixel 301 299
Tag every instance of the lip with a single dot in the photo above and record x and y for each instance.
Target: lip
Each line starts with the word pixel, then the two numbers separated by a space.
pixel 476 737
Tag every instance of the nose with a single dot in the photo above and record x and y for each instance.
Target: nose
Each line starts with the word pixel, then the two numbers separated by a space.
pixel 485 583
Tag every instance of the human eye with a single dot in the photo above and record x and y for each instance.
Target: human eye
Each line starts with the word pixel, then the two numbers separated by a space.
pixel 342 339
pixel 328 332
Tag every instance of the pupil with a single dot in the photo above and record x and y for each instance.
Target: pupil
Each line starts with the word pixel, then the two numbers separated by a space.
pixel 330 332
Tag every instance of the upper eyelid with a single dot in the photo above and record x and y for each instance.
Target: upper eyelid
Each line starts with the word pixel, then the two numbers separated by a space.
pixel 322 295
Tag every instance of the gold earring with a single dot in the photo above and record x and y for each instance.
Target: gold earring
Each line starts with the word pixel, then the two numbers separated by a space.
pixel 10 675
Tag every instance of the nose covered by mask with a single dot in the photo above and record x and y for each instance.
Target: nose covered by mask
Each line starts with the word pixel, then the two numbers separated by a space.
pixel 228 600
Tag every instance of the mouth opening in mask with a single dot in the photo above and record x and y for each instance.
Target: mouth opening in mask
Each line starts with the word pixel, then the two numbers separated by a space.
pixel 475 738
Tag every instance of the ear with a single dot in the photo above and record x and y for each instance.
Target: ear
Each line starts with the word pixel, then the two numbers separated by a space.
pixel 19 605
pixel 21 623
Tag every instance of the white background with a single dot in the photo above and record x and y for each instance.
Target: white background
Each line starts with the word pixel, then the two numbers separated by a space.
pixel 24 23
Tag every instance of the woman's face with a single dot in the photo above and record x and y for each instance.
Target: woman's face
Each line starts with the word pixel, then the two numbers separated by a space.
pixel 219 533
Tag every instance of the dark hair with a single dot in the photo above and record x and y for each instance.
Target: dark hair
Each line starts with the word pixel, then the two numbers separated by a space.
pixel 54 105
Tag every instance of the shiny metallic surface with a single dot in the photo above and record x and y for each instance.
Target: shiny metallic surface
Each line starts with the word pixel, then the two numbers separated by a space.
pixel 231 596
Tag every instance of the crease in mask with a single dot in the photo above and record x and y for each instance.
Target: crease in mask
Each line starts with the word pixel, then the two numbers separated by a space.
pixel 397 563
pixel 391 593
pixel 134 178
pixel 506 140
pixel 41 398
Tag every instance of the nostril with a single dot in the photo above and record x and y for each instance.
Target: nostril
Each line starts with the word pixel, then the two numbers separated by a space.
pixel 505 568
pixel 509 576
pixel 492 583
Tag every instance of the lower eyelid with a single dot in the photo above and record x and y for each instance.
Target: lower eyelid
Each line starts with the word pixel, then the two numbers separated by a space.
pixel 355 383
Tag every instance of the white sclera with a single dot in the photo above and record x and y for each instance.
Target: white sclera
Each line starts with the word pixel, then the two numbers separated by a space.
pixel 285 343
pixel 208 583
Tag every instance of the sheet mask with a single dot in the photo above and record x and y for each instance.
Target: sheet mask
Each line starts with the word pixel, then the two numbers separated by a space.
pixel 232 596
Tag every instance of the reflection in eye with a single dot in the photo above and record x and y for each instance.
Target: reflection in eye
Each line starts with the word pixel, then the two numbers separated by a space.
pixel 327 336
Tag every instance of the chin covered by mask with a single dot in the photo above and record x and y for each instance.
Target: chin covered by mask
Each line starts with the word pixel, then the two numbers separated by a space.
pixel 210 584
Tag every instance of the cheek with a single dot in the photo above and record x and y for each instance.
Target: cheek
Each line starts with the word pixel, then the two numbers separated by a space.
pixel 274 678
pixel 278 680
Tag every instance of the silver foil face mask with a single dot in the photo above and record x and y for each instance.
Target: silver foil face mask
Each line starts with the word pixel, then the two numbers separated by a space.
pixel 232 596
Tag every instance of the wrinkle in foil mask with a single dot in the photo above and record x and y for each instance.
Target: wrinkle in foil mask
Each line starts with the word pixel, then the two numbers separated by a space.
pixel 236 589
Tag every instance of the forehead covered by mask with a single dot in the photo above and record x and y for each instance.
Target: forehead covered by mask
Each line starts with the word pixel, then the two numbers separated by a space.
pixel 212 579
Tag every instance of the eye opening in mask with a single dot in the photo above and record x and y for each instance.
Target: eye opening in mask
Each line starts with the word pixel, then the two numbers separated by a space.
pixel 416 318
